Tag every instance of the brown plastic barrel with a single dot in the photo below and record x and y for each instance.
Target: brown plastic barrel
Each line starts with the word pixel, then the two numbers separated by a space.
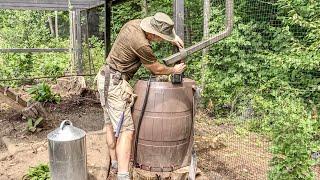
pixel 166 131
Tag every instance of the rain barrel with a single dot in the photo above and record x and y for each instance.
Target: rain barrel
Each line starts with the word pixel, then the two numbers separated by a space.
pixel 166 132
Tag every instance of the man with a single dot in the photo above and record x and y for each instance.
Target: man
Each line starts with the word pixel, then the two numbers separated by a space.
pixel 131 49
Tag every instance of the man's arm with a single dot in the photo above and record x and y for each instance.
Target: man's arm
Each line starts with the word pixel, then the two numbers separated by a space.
pixel 160 69
pixel 150 62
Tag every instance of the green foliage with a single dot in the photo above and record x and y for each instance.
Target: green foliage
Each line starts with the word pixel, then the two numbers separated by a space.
pixel 96 52
pixel 40 172
pixel 34 123
pixel 269 53
pixel 292 130
pixel 29 29
pixel 122 14
pixel 42 93
pixel 23 28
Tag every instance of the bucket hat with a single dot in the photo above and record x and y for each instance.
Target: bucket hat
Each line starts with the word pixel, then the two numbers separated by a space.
pixel 161 25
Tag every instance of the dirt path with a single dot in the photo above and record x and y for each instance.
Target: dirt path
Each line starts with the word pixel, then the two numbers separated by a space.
pixel 83 114
pixel 16 161
pixel 25 149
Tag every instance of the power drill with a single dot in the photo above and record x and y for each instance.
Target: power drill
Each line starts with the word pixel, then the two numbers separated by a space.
pixel 176 78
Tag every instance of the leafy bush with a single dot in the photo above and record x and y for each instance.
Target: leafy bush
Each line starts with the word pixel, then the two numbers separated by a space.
pixel 271 50
pixel 29 29
pixel 40 172
pixel 292 129
pixel 42 93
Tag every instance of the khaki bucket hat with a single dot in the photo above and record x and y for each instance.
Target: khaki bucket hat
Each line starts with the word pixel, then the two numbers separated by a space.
pixel 160 24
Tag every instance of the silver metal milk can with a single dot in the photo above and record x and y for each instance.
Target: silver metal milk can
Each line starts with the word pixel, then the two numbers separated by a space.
pixel 67 153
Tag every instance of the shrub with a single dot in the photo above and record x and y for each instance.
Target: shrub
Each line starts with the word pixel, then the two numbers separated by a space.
pixel 40 172
pixel 42 93
pixel 292 132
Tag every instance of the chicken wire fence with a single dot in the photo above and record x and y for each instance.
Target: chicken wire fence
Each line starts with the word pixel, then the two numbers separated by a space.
pixel 261 28
pixel 224 151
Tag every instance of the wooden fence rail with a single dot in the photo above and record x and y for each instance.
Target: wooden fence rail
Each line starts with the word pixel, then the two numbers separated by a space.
pixel 34 50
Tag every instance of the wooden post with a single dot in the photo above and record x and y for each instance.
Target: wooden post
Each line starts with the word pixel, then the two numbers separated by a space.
pixel 71 39
pixel 91 65
pixel 187 38
pixel 206 19
pixel 107 32
pixel 75 42
pixel 178 18
pixel 51 25
pixel 56 24
pixel 78 51
pixel 145 7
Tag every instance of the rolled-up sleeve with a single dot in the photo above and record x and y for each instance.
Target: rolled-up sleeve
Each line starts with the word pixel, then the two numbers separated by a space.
pixel 146 55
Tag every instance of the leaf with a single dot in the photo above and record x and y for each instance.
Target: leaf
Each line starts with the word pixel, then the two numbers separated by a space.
pixel 38 121
pixel 30 123
pixel 32 129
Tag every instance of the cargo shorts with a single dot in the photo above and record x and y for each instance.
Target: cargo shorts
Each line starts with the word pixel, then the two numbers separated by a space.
pixel 117 109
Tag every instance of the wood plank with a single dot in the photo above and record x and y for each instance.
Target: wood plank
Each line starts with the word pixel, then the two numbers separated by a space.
pixel 206 20
pixel 52 4
pixel 78 41
pixel 12 96
pixel 107 31
pixel 72 40
pixel 37 50
pixel 178 17
pixel 44 77
pixel 10 102
pixel 47 4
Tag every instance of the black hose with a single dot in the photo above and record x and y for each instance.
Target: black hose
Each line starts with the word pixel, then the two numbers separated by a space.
pixel 140 121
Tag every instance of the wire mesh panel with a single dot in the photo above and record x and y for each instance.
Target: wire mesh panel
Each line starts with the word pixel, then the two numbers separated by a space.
pixel 269 50
pixel 226 151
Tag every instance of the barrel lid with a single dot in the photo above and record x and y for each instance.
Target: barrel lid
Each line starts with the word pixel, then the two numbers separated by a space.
pixel 66 132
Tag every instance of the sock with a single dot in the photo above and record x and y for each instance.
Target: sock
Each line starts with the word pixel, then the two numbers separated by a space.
pixel 114 164
pixel 123 176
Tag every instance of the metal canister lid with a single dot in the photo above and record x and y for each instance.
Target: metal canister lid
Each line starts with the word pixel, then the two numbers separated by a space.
pixel 66 132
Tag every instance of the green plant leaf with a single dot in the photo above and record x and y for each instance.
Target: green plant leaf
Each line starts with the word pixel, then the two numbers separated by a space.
pixel 30 123
pixel 38 121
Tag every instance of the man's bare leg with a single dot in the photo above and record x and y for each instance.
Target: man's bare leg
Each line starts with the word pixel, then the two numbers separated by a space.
pixel 111 142
pixel 123 150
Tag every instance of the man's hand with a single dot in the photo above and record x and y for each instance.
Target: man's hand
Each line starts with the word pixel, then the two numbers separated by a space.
pixel 178 42
pixel 179 68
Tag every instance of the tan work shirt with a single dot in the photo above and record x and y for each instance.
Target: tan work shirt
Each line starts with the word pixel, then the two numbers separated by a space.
pixel 130 49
